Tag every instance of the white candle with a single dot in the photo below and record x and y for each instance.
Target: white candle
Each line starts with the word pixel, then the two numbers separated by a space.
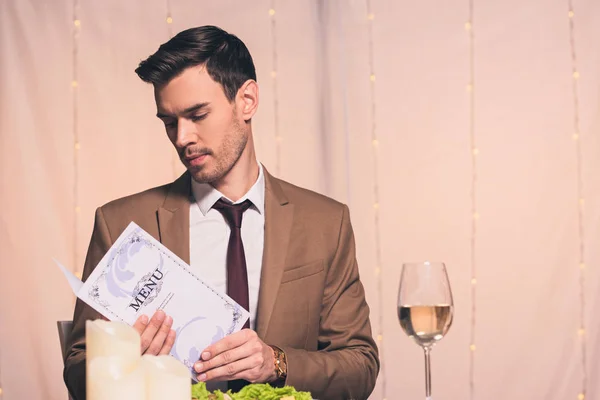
pixel 111 338
pixel 166 378
pixel 113 361
pixel 116 378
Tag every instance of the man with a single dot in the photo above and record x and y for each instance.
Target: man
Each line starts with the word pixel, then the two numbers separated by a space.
pixel 291 262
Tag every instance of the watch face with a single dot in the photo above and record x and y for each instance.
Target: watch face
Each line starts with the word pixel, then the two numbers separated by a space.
pixel 281 367
pixel 280 364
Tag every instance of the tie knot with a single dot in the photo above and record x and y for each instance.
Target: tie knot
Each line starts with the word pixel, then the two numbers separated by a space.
pixel 232 212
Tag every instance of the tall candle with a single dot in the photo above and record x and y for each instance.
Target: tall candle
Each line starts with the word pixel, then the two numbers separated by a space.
pixel 113 361
pixel 111 338
pixel 166 378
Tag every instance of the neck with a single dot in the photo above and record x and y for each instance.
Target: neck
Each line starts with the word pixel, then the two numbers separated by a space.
pixel 238 181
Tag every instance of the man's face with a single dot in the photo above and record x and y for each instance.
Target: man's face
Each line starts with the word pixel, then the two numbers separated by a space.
pixel 205 128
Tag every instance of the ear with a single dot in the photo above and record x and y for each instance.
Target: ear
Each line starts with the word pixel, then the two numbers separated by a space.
pixel 248 99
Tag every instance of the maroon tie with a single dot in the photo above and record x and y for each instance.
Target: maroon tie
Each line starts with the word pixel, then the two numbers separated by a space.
pixel 237 274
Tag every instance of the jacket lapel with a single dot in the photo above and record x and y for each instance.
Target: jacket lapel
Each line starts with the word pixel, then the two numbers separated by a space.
pixel 279 215
pixel 174 218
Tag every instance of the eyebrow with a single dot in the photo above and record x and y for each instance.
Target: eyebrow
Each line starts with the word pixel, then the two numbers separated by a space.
pixel 188 110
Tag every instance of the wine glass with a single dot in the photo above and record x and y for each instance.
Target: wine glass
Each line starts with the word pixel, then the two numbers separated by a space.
pixel 425 307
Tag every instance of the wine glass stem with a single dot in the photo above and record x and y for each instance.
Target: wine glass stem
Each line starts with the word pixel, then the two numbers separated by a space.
pixel 427 373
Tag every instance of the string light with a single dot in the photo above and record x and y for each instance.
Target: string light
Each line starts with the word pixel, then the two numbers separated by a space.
pixel 76 143
pixel 474 154
pixel 376 217
pixel 175 164
pixel 278 137
pixel 580 197
pixel 169 18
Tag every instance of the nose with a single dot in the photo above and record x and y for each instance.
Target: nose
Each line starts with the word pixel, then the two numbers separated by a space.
pixel 186 134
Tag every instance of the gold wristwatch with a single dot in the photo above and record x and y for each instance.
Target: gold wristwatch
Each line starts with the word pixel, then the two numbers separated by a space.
pixel 280 363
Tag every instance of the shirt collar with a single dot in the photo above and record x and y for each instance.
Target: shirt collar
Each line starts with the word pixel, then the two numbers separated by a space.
pixel 206 195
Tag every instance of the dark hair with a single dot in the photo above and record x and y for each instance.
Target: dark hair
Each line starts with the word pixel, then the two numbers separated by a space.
pixel 226 57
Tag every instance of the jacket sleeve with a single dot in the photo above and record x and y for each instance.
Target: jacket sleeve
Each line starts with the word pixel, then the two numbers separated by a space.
pixel 346 364
pixel 74 371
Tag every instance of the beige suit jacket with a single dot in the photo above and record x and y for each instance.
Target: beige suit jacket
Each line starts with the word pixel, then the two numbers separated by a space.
pixel 311 301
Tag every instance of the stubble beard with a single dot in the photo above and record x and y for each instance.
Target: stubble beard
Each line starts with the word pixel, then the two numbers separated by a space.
pixel 224 159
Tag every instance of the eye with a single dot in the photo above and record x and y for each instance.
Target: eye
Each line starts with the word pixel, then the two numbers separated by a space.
pixel 170 123
pixel 196 118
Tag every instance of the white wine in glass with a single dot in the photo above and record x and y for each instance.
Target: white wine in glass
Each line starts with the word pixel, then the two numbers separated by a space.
pixel 425 307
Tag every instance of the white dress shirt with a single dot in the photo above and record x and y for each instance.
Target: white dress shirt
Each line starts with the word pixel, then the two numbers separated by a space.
pixel 209 237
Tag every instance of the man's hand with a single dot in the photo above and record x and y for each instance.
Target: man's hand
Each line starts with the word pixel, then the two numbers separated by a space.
pixel 241 355
pixel 157 337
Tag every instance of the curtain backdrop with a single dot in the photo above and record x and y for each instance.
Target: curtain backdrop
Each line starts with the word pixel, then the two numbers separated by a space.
pixel 466 133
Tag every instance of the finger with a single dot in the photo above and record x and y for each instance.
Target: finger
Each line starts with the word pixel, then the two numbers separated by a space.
pixel 246 368
pixel 245 350
pixel 140 323
pixel 169 342
pixel 151 328
pixel 161 336
pixel 228 342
